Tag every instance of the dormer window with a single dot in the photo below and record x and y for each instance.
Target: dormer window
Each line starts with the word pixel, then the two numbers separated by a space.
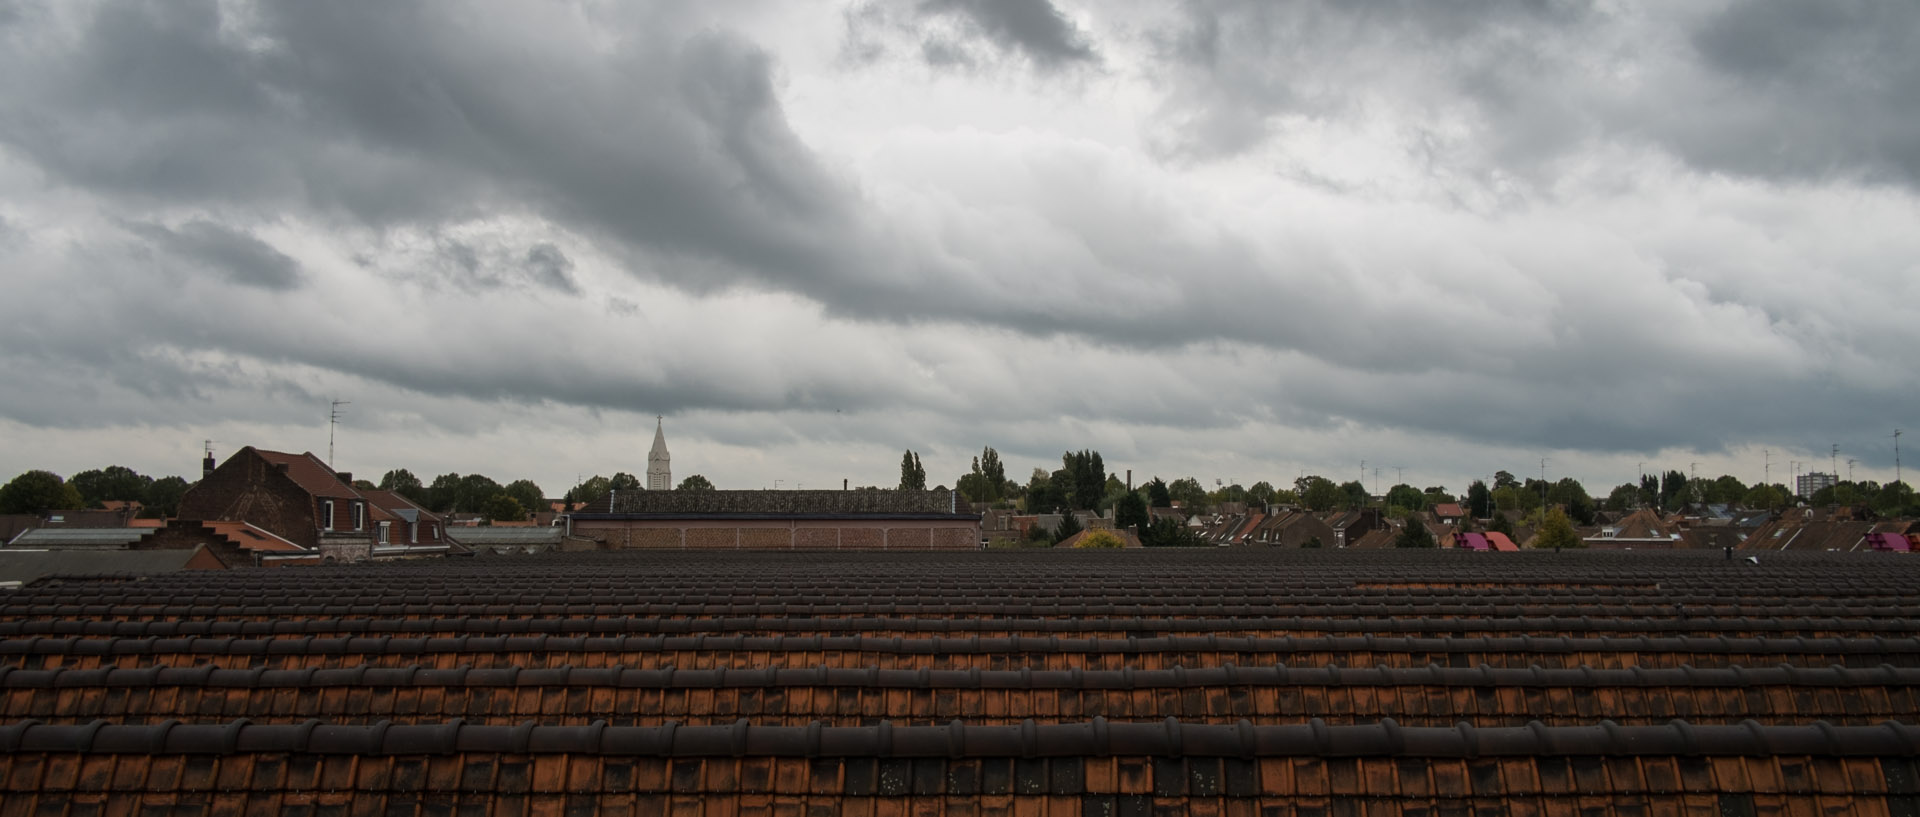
pixel 359 516
pixel 326 514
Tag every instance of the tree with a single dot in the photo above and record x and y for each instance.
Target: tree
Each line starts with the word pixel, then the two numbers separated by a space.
pixel 1414 534
pixel 1556 532
pixel 503 508
pixel 1131 512
pixel 1231 493
pixel 1479 500
pixel 623 481
pixel 1043 496
pixel 1319 494
pixel 38 492
pixel 474 491
pixel 1569 493
pixel 1157 494
pixel 1726 490
pixel 913 476
pixel 1764 496
pixel 528 494
pixel 1406 496
pixel 1187 491
pixel 1165 532
pixel 987 482
pixel 695 482
pixel 1069 525
pixel 163 497
pixel 1515 498
pixel 1261 493
pixel 1100 539
pixel 1673 490
pixel 442 493
pixel 1356 492
pixel 1082 477
pixel 402 481
pixel 113 483
pixel 1502 479
pixel 588 490
pixel 1623 497
pixel 1893 499
pixel 1499 523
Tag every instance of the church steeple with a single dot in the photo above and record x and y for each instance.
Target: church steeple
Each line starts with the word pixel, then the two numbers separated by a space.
pixel 659 472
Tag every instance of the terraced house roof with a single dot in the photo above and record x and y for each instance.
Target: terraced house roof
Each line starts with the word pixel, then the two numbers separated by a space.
pixel 1019 682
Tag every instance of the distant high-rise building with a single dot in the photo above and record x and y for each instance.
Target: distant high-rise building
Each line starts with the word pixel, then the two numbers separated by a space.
pixel 1807 484
pixel 659 474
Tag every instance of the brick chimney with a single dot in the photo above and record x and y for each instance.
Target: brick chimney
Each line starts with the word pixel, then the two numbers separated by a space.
pixel 206 466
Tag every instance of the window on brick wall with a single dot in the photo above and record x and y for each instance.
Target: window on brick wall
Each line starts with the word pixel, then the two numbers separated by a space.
pixel 326 514
pixel 359 516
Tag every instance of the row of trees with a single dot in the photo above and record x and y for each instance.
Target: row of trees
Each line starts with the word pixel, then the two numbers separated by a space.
pixel 512 502
pixel 37 491
pixel 1082 484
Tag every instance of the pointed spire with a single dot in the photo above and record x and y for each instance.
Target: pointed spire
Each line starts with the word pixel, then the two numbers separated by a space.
pixel 659 470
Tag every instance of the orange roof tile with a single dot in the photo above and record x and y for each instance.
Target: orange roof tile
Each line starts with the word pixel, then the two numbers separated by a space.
pixel 311 474
pixel 247 537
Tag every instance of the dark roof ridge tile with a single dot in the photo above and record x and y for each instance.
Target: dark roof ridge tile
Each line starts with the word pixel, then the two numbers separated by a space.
pixel 1092 738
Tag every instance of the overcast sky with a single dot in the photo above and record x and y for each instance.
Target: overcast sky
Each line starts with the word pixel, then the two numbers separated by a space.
pixel 1228 240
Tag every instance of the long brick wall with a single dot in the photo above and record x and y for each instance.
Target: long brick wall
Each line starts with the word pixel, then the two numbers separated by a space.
pixel 960 533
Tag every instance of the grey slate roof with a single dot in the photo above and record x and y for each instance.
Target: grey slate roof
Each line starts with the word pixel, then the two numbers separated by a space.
pixel 80 537
pixel 491 535
pixel 26 566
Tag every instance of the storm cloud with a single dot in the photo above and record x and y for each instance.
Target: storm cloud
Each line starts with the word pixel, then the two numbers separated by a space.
pixel 1279 237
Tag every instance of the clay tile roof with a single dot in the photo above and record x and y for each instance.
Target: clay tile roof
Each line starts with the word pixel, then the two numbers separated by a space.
pixel 311 474
pixel 1206 680
pixel 246 536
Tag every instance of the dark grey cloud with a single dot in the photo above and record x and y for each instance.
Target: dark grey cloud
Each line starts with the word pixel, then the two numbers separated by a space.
pixel 551 268
pixel 969 34
pixel 1798 90
pixel 1031 27
pixel 1807 90
pixel 237 256
pixel 422 113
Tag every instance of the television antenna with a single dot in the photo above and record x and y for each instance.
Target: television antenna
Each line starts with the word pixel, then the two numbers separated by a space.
pixel 1896 455
pixel 333 419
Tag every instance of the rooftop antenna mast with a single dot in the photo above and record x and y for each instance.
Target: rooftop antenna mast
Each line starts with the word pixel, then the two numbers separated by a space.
pixel 1835 457
pixel 1896 455
pixel 333 419
pixel 1850 462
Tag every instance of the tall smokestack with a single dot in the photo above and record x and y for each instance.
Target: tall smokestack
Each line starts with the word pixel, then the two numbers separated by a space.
pixel 1129 479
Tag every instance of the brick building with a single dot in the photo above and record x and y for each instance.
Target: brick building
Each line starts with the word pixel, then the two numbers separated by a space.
pixel 298 498
pixel 811 520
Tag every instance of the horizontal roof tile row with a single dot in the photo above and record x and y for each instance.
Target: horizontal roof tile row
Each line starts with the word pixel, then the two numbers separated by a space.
pixel 467 644
pixel 1097 738
pixel 489 620
pixel 851 706
pixel 1228 675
